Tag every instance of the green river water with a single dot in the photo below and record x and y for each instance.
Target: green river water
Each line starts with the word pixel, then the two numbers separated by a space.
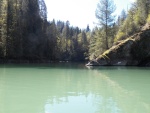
pixel 73 88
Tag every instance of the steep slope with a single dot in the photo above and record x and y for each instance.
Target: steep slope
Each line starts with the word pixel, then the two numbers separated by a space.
pixel 134 51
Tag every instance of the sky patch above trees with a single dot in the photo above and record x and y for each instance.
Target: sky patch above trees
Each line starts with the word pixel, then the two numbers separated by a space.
pixel 79 12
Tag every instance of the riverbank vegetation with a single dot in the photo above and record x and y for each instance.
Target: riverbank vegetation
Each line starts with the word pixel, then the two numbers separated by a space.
pixel 25 33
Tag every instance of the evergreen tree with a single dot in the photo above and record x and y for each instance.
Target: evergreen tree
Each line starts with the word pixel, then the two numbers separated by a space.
pixel 25 33
pixel 97 43
pixel 87 28
pixel 3 27
pixel 142 11
pixel 122 17
pixel 104 14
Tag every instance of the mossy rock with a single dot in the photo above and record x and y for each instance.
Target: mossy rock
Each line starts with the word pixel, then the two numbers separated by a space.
pixel 135 50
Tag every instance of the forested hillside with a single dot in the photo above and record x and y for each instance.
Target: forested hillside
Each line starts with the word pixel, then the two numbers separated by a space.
pixel 25 33
pixel 131 38
pixel 118 28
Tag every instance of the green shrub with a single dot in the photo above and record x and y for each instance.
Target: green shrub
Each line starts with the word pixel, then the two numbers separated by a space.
pixel 120 35
pixel 148 19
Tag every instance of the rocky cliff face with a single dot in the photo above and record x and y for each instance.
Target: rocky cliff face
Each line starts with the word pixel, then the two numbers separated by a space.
pixel 134 51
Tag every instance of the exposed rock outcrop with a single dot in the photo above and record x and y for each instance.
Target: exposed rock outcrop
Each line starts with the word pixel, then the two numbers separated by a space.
pixel 131 52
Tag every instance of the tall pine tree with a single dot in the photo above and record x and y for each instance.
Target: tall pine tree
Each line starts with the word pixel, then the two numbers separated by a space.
pixel 104 14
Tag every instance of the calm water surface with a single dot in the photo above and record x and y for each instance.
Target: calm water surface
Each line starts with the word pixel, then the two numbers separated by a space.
pixel 73 88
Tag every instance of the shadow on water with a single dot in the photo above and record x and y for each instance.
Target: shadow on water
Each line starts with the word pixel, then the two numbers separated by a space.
pixel 71 65
pixel 117 68
pixel 58 65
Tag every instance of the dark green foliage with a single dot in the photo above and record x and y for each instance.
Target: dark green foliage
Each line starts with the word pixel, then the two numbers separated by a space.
pixel 133 51
pixel 136 18
pixel 127 24
pixel 25 34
